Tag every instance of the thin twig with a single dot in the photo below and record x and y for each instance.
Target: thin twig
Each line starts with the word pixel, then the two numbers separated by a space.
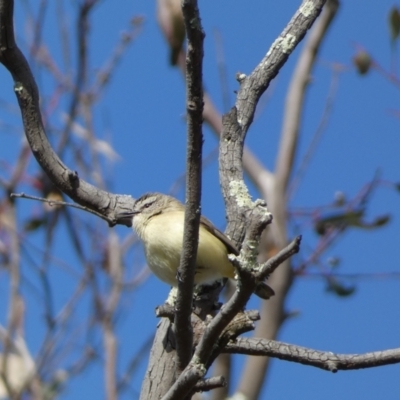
pixel 317 134
pixel 54 203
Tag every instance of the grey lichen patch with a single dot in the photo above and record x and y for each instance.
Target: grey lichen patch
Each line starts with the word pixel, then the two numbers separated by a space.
pixel 284 44
pixel 196 362
pixel 274 45
pixel 232 258
pixel 252 245
pixel 240 77
pixel 171 300
pixel 238 396
pixel 18 87
pixel 262 206
pixel 260 203
pixel 288 43
pixel 247 260
pixel 307 8
pixel 235 260
pixel 239 191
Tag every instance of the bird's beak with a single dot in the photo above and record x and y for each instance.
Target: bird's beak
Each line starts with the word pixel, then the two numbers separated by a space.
pixel 127 214
pixel 126 217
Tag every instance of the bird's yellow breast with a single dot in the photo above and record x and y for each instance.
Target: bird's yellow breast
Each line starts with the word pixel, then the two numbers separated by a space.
pixel 162 237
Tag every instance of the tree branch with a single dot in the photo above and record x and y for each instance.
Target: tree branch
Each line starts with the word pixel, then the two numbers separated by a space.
pixel 321 359
pixel 253 86
pixel 239 205
pixel 27 94
pixel 194 105
pixel 207 349
pixel 296 94
pixel 269 267
pixel 210 384
pixel 237 122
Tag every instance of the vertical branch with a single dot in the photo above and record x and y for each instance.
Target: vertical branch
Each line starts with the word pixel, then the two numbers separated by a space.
pixel 259 175
pixel 15 303
pixel 82 29
pixel 194 105
pixel 256 368
pixel 109 337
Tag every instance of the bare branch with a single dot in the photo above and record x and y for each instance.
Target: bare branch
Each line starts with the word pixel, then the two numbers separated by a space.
pixel 296 94
pixel 103 77
pixel 81 68
pixel 54 203
pixel 258 174
pixel 207 349
pixel 239 205
pixel 108 317
pixel 16 305
pixel 210 384
pixel 253 86
pixel 321 359
pixel 27 94
pixel 273 311
pixel 330 101
pixel 269 267
pixel 159 374
pixel 238 120
pixel 193 373
pixel 194 105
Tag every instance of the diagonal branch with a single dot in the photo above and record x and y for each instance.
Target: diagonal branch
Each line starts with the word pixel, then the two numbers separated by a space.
pixel 27 94
pixel 238 120
pixel 253 86
pixel 296 94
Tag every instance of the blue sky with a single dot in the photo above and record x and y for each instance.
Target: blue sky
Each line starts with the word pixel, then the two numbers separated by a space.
pixel 143 112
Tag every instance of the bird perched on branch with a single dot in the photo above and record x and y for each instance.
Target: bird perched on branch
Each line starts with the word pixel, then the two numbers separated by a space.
pixel 158 220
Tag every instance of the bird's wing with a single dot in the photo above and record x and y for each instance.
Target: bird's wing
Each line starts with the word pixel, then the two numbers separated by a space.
pixel 217 233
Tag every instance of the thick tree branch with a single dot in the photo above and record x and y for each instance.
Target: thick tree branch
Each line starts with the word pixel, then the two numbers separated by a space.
pixel 66 180
pixel 256 368
pixel 207 349
pixel 259 174
pixel 160 373
pixel 240 207
pixel 210 384
pixel 235 127
pixel 194 372
pixel 321 359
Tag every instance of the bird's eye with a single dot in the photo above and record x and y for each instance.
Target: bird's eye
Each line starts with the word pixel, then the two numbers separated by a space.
pixel 147 205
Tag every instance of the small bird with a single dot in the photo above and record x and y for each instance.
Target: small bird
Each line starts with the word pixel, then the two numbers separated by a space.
pixel 158 220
